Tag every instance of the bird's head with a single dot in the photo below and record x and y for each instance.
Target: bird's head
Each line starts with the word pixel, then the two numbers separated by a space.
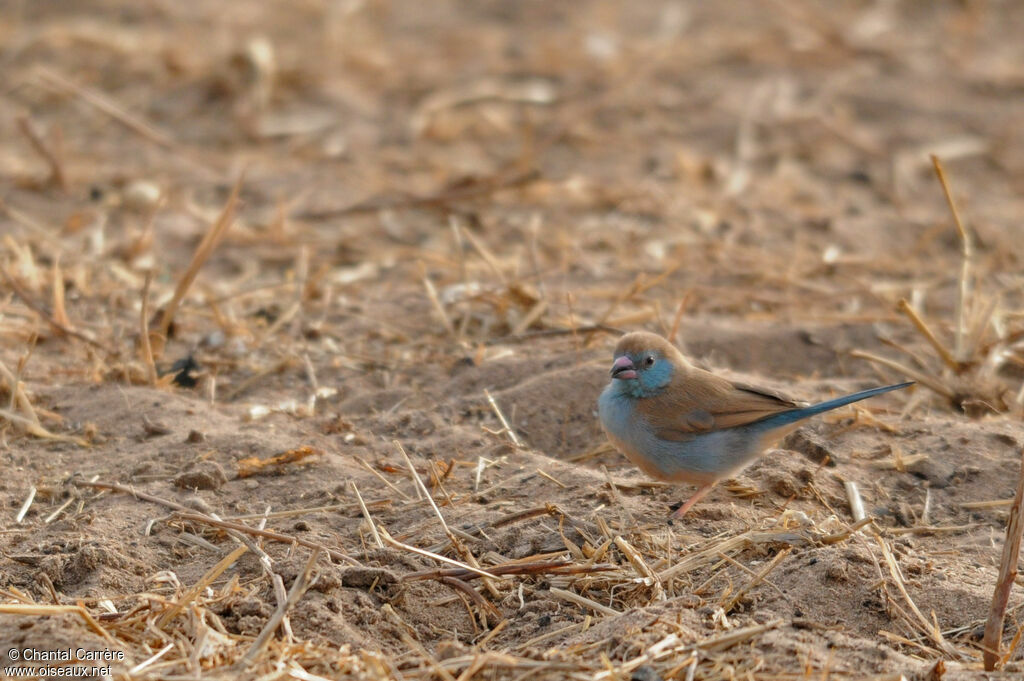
pixel 644 364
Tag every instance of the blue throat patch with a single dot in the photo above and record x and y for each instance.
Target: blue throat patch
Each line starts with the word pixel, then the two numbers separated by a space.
pixel 648 382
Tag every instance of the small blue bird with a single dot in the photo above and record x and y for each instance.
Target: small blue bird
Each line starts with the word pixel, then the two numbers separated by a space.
pixel 680 423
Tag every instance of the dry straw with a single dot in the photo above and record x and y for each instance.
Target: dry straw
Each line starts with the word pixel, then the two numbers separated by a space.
pixel 593 587
pixel 970 375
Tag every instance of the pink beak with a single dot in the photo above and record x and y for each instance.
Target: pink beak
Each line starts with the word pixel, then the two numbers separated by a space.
pixel 623 368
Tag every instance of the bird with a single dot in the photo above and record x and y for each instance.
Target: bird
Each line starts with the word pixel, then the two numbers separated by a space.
pixel 682 424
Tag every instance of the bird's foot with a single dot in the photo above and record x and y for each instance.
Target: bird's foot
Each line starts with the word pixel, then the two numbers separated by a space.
pixel 697 496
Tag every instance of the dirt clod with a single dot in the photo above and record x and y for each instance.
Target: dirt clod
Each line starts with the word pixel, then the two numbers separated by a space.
pixel 206 475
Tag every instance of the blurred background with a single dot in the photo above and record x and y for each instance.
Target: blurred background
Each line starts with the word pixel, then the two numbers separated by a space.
pixel 733 141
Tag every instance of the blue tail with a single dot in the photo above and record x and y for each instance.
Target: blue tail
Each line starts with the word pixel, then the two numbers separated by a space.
pixel 788 417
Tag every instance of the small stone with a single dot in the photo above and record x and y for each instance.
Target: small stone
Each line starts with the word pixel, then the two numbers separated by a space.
pixel 783 485
pixel 936 472
pixel 365 577
pixel 645 673
pixel 141 196
pixel 206 475
pixel 198 504
pixel 153 428
pixel 214 339
pixel 811 446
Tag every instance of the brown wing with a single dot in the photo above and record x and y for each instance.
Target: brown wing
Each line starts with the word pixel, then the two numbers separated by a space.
pixel 697 402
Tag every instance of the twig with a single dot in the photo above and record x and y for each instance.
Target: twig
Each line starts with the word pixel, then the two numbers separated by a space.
pixel 486 255
pixel 418 483
pixel 532 315
pixel 843 535
pixel 735 636
pixel 994 503
pixel 473 595
pixel 240 388
pixel 616 496
pixel 1007 575
pixel 530 644
pixel 267 534
pixel 125 489
pixel 930 529
pixel 288 513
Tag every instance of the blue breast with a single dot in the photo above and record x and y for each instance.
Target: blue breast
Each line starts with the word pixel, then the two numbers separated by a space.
pixel 703 458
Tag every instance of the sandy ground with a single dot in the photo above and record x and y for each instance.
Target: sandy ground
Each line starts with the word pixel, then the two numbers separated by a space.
pixel 445 201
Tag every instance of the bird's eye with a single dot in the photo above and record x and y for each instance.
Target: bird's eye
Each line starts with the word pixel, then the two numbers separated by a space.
pixel 649 361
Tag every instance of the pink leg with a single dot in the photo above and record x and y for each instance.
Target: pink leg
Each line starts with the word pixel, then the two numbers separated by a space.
pixel 697 496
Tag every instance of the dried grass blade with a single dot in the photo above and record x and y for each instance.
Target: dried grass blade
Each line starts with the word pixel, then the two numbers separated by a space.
pixel 925 331
pixel 147 346
pixel 203 251
pixel 926 627
pixel 920 377
pixel 366 514
pixel 386 536
pixel 967 254
pixel 504 422
pixel 573 597
pixel 757 579
pixel 33 428
pixel 641 566
pixel 299 586
pixel 204 581
pixel 27 505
